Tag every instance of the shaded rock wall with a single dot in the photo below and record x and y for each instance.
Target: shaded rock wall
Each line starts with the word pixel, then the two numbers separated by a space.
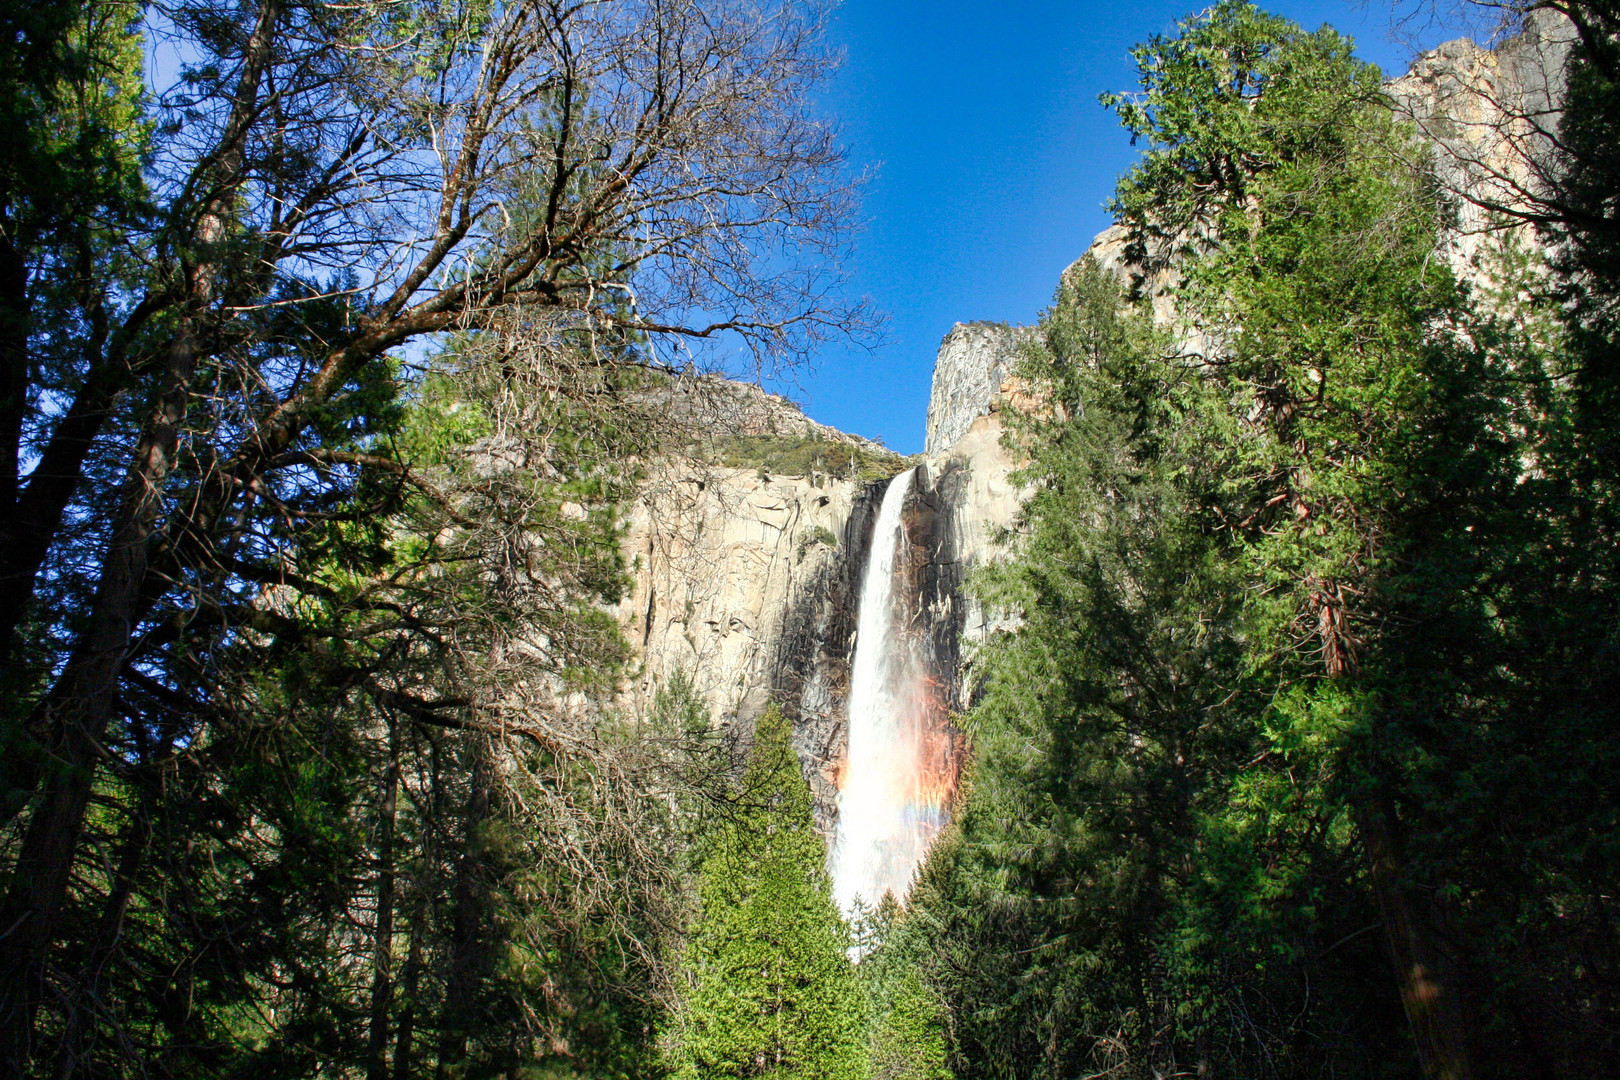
pixel 809 667
pixel 720 558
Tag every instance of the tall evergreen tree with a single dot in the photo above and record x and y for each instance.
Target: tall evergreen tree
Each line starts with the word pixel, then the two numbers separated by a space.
pixel 908 1036
pixel 1380 502
pixel 1126 895
pixel 1291 667
pixel 767 986
pixel 1415 481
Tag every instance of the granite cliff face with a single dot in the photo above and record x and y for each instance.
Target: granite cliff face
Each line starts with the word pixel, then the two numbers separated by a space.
pixel 741 573
pixel 723 409
pixel 973 361
pixel 742 583
pixel 1492 116
pixel 748 582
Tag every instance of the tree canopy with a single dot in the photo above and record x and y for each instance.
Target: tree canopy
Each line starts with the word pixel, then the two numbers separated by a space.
pixel 327 359
pixel 768 988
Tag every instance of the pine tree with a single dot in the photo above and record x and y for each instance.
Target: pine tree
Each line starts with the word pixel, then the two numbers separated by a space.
pixel 769 988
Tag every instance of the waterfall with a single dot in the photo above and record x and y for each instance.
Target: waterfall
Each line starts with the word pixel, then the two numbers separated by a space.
pixel 899 771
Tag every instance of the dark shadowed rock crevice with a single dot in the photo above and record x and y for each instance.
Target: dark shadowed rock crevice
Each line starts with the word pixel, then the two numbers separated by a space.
pixel 811 668
pixel 809 672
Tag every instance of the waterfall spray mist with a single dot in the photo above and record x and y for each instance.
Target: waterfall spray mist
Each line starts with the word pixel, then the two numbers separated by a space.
pixel 900 769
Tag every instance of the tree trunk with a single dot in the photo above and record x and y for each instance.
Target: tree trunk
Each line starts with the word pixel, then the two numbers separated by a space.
pixel 383 945
pixel 80 706
pixel 1428 977
pixel 34 518
pixel 14 324
pixel 409 982
pixel 470 928
pixel 78 711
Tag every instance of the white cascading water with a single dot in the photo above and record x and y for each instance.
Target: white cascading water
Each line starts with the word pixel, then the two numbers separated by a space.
pixel 894 791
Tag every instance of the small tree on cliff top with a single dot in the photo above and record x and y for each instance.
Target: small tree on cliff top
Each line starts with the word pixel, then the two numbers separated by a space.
pixel 768 987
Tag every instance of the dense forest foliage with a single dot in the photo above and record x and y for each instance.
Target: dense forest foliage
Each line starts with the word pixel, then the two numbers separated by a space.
pixel 333 338
pixel 1318 665
pixel 331 334
pixel 766 983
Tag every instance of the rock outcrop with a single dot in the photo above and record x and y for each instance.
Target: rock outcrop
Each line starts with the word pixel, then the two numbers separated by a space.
pixel 1492 116
pixel 748 583
pixel 971 505
pixel 973 361
pixel 743 583
pixel 726 408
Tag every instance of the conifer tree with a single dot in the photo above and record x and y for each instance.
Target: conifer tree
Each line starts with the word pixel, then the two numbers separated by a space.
pixel 1304 652
pixel 909 1028
pixel 768 986
pixel 908 1041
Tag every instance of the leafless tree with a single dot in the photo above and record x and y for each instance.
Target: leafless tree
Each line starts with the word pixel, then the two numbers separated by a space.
pixel 327 184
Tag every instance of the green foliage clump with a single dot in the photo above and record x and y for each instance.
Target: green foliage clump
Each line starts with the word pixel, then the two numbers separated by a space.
pixel 908 1040
pixel 807 455
pixel 767 986
pixel 1121 885
pixel 818 535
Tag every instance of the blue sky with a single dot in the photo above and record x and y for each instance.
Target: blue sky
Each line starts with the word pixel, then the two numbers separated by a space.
pixel 993 160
